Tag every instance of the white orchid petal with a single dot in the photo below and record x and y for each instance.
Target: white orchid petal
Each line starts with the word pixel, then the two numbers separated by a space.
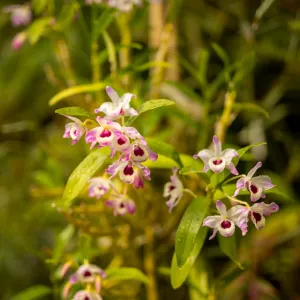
pixel 221 207
pixel 254 169
pixel 217 145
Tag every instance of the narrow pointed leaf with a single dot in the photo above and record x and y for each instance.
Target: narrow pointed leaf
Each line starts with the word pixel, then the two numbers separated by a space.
pixel 250 107
pixel 84 171
pixel 33 293
pixel 149 105
pixel 164 149
pixel 179 274
pixel 228 246
pixel 126 274
pixel 242 151
pixel 74 111
pixel 75 90
pixel 188 228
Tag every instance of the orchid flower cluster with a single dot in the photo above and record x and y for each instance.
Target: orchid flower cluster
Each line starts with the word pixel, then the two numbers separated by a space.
pixel 87 275
pixel 121 5
pixel 239 214
pixel 130 145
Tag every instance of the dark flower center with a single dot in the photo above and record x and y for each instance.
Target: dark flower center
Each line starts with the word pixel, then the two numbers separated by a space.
pixel 121 111
pixel 121 141
pixel 253 188
pixel 256 216
pixel 171 188
pixel 122 205
pixel 217 161
pixel 226 224
pixel 105 133
pixel 87 273
pixel 86 298
pixel 138 151
pixel 128 170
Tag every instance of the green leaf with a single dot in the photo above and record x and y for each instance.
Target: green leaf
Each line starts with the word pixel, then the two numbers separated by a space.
pixel 242 151
pixel 104 21
pixel 62 241
pixel 164 149
pixel 188 228
pixel 37 29
pixel 75 112
pixel 179 274
pixel 162 162
pixel 32 293
pixel 203 64
pixel 126 274
pixel 250 107
pixel 111 50
pixel 149 105
pixel 221 53
pixel 39 5
pixel 75 90
pixel 84 171
pixel 265 5
pixel 228 246
pixel 195 169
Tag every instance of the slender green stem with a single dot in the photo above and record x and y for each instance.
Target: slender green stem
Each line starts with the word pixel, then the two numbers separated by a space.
pixel 190 192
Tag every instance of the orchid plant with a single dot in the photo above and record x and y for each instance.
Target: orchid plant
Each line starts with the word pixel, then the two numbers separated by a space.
pixel 106 191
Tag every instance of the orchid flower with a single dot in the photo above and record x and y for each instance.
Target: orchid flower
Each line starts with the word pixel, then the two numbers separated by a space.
pixel 18 40
pixel 20 14
pixel 87 295
pixel 140 153
pixel 98 187
pixel 174 190
pixel 121 205
pixel 120 106
pixel 74 130
pixel 105 135
pixel 86 274
pixel 129 172
pixel 222 223
pixel 218 160
pixel 257 213
pixel 255 185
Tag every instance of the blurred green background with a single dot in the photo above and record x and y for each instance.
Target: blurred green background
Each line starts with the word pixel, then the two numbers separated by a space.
pixel 35 161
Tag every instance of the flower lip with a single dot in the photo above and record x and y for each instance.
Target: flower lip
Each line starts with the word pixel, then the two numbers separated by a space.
pixel 138 151
pixel 225 224
pixel 217 161
pixel 128 170
pixel 257 216
pixel 105 133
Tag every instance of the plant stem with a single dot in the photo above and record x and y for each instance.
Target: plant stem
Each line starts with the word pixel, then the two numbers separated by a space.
pixel 225 120
pixel 238 201
pixel 126 40
pixel 149 264
pixel 190 192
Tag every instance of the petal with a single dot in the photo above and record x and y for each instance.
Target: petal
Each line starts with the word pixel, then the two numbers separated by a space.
pixel 138 181
pixel 217 164
pixel 240 184
pixel 258 220
pixel 125 99
pixel 212 221
pixel 221 207
pixel 254 169
pixel 232 169
pixel 217 146
pixel 227 228
pixel 229 154
pixel 263 181
pixel 131 112
pixel 113 95
pixel 214 233
pixel 265 209
pixel 205 155
pixel 109 109
pixel 131 207
pixel 76 120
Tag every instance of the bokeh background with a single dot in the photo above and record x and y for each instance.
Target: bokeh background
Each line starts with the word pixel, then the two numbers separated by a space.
pixel 35 161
